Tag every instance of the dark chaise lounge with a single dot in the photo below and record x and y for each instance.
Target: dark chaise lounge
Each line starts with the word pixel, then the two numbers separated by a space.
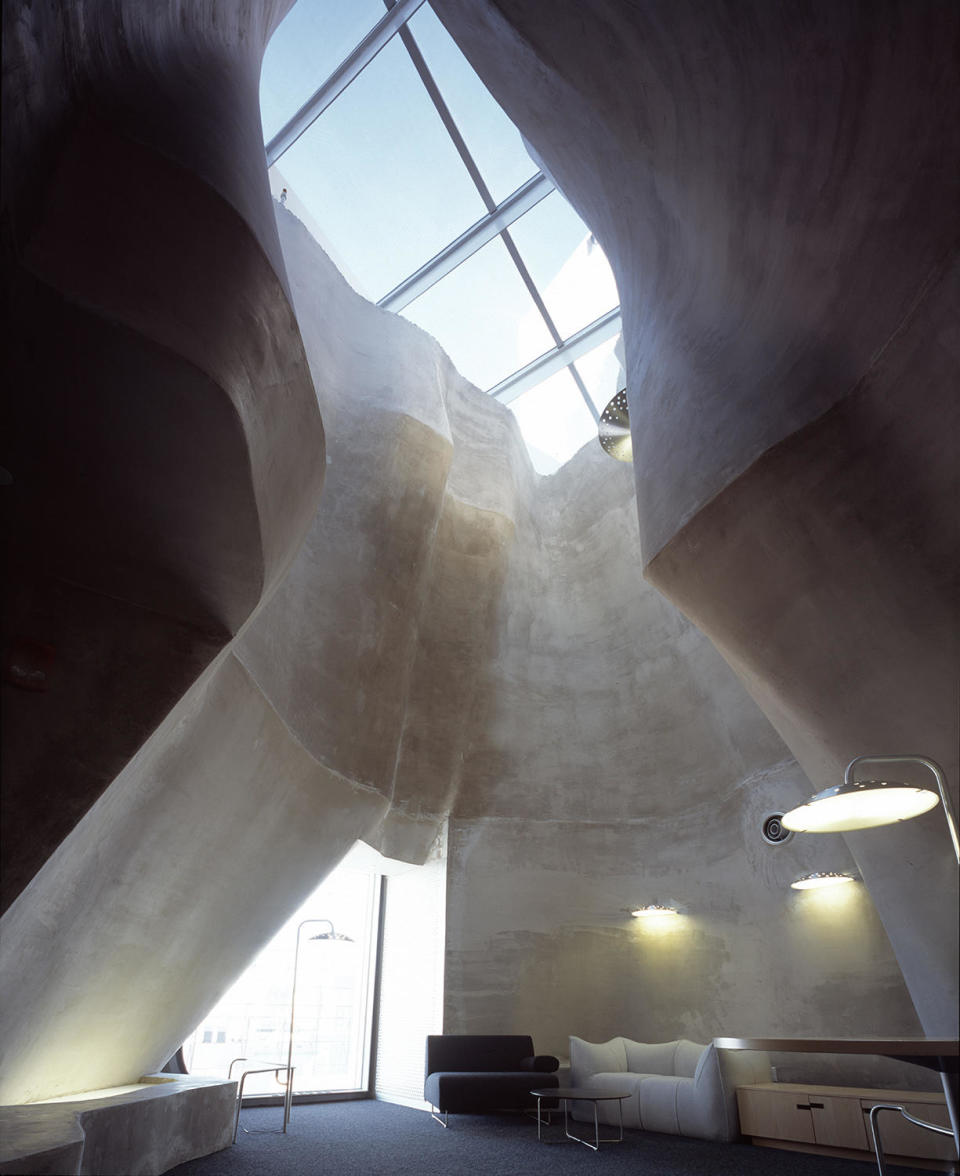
pixel 467 1073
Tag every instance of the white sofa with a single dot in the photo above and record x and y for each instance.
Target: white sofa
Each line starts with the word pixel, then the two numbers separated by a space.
pixel 677 1087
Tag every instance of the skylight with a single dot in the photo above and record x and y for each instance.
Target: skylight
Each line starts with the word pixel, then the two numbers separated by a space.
pixel 392 170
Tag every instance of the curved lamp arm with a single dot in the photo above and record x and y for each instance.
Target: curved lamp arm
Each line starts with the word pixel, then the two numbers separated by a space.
pixel 933 766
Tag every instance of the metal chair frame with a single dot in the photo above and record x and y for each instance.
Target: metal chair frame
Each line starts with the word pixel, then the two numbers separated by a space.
pixel 287 1084
pixel 875 1129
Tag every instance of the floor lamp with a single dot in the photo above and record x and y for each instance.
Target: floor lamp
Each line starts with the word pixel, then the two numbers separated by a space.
pixel 330 934
pixel 866 804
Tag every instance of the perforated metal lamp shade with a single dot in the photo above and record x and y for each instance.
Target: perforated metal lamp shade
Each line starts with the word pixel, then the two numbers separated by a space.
pixel 866 804
pixel 821 881
pixel 614 428
pixel 863 805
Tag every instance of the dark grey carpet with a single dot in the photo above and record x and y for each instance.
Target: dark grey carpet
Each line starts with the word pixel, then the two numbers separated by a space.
pixel 379 1139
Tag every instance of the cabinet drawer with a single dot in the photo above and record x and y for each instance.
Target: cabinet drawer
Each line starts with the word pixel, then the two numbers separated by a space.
pixel 902 1138
pixel 775 1115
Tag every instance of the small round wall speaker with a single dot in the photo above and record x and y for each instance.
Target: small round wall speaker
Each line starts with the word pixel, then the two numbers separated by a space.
pixel 773 830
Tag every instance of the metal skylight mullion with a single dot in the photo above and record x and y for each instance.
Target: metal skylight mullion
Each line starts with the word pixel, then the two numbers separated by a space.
pixel 478 235
pixel 433 90
pixel 550 362
pixel 587 398
pixel 551 326
pixel 346 72
pixel 469 163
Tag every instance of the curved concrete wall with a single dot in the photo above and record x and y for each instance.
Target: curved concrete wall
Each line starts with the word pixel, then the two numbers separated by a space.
pixel 452 634
pixel 616 761
pixel 289 747
pixel 174 879
pixel 159 371
pixel 774 186
pixel 771 184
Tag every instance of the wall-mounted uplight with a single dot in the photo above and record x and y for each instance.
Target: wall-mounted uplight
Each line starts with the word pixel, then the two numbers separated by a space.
pixel 648 912
pixel 820 880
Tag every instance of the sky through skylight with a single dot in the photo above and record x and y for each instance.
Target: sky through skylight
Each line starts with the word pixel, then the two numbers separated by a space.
pixel 383 179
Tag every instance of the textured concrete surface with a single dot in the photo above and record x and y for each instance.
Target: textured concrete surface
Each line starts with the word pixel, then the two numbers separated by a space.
pixel 278 673
pixel 856 589
pixel 214 832
pixel 40 1141
pixel 772 184
pixel 149 320
pixel 617 761
pixel 775 189
pixel 143 1132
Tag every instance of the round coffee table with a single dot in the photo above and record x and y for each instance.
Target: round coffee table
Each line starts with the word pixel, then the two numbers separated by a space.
pixel 568 1094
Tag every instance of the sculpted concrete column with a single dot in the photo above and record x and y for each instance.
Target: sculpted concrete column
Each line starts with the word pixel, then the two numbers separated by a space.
pixel 154 372
pixel 336 712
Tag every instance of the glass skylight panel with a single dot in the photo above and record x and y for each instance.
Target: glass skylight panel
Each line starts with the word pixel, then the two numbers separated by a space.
pixel 379 182
pixel 554 421
pixel 492 139
pixel 381 177
pixel 307 46
pixel 483 317
pixel 602 372
pixel 568 266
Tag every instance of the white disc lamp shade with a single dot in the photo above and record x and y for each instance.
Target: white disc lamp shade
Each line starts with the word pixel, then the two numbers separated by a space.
pixel 648 912
pixel 863 805
pixel 818 881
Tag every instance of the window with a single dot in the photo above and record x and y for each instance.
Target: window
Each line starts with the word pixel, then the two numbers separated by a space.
pixel 402 163
pixel 334 996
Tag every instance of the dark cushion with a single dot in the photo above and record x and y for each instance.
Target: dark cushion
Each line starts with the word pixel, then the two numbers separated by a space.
pixel 462 1092
pixel 476 1052
pixel 541 1064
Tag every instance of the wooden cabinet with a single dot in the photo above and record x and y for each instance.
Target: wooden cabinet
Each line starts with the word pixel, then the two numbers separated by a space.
pixel 835 1119
pixel 767 1112
pixel 838 1122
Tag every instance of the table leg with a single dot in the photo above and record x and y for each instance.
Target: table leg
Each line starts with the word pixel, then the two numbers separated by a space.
pixel 951 1088
pixel 579 1138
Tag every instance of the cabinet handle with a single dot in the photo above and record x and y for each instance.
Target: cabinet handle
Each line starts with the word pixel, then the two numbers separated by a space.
pixel 817 1106
pixel 803 1106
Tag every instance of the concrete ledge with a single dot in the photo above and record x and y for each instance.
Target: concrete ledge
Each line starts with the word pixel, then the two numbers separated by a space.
pixel 139 1130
